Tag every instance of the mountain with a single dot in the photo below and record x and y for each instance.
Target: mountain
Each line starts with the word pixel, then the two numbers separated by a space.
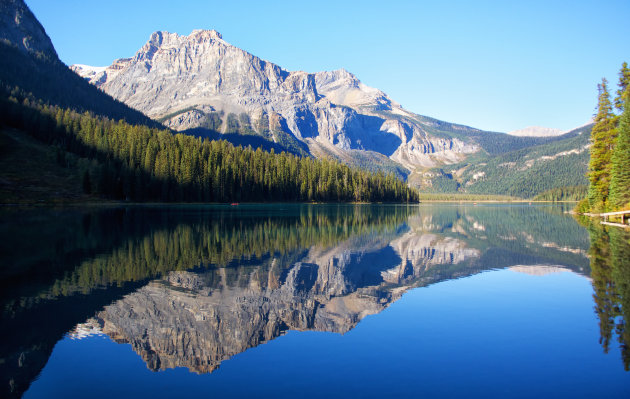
pixel 201 82
pixel 202 85
pixel 536 131
pixel 523 173
pixel 29 62
pixel 20 28
pixel 102 149
pixel 37 92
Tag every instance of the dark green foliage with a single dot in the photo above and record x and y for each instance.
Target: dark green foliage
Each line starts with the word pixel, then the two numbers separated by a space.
pixel 32 172
pixel 499 143
pixel 236 124
pixel 603 138
pixel 620 171
pixel 537 179
pixel 572 193
pixel 443 183
pixel 213 121
pixel 244 124
pixel 145 164
pixel 174 114
pixel 523 173
pixel 609 167
pixel 289 142
pixel 610 273
pixel 372 162
pixel 624 83
pixel 232 123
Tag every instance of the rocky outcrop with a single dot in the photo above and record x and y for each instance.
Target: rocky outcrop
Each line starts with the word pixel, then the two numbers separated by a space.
pixel 537 131
pixel 20 28
pixel 177 79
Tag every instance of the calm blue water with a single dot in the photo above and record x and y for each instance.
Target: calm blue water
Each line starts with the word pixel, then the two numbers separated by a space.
pixel 318 301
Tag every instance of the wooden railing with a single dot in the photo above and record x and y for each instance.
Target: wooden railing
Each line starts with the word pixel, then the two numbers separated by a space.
pixel 623 214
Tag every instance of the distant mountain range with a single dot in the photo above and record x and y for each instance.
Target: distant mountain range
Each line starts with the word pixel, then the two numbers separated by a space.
pixel 201 85
pixel 537 131
pixel 522 172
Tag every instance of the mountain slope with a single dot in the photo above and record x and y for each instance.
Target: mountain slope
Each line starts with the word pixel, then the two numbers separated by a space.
pixel 28 60
pixel 201 81
pixel 202 85
pixel 20 28
pixel 522 173
pixel 30 172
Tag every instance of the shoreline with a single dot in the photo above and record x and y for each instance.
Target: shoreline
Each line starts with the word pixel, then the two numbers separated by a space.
pixel 114 204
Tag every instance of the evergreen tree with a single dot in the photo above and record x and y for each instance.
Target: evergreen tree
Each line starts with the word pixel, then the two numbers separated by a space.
pixel 603 137
pixel 620 171
pixel 624 82
pixel 139 163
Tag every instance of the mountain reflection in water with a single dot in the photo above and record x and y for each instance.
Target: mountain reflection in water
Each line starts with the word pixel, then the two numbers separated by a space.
pixel 193 286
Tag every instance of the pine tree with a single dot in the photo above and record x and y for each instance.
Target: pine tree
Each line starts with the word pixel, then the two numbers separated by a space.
pixel 620 171
pixel 624 82
pixel 603 137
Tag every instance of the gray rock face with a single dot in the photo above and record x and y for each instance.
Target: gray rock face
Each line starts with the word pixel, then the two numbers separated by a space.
pixel 177 79
pixel 20 28
pixel 537 131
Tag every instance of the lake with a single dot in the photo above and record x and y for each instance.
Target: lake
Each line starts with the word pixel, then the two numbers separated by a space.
pixel 291 300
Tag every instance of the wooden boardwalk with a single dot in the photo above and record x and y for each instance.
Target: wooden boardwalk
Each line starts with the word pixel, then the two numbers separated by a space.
pixel 623 214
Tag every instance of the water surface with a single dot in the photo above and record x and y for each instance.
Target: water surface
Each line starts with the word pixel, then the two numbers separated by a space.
pixel 312 300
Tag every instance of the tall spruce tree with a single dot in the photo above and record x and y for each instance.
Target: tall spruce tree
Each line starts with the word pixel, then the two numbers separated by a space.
pixel 603 137
pixel 624 82
pixel 620 171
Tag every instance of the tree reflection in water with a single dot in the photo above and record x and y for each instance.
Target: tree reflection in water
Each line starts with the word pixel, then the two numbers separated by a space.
pixel 610 271
pixel 193 285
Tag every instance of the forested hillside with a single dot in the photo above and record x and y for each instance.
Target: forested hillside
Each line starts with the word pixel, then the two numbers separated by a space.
pixel 526 172
pixel 49 80
pixel 135 162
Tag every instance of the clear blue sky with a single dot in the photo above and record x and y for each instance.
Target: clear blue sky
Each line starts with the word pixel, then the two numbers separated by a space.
pixel 494 65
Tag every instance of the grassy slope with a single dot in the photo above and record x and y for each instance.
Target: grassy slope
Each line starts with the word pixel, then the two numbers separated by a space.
pixel 30 174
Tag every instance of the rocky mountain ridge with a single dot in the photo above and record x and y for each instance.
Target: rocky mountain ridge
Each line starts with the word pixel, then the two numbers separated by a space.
pixel 29 63
pixel 20 28
pixel 537 131
pixel 201 81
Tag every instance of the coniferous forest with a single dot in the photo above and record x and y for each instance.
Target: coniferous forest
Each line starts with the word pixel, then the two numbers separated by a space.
pixel 609 166
pixel 121 161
